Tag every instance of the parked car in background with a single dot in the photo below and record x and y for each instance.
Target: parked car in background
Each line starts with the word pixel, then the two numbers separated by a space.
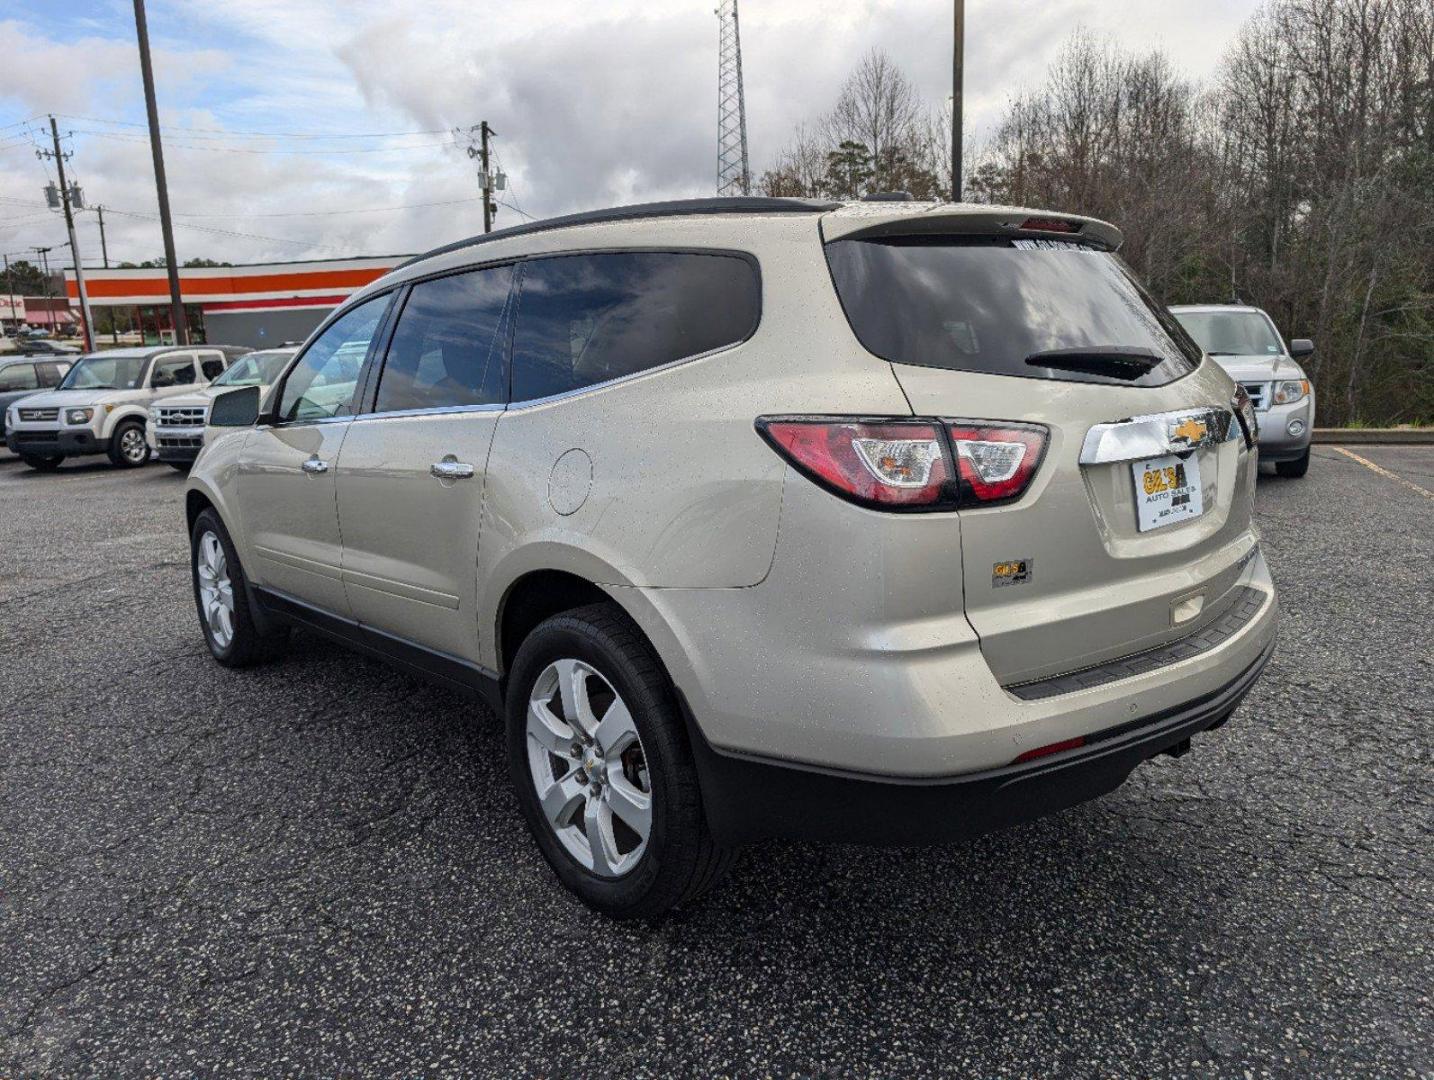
pixel 1246 343
pixel 176 424
pixel 885 522
pixel 101 405
pixel 46 347
pixel 21 376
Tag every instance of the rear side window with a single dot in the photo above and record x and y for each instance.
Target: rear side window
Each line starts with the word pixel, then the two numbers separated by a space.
pixel 448 347
pixel 585 319
pixel 1035 309
pixel 212 364
pixel 18 377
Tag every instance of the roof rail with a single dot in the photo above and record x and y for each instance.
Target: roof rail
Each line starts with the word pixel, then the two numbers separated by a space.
pixel 741 204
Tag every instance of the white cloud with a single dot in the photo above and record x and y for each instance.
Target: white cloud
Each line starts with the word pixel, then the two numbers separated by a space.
pixel 594 102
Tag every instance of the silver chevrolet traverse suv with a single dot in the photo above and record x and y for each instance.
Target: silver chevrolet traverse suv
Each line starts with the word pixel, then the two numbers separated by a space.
pixel 883 522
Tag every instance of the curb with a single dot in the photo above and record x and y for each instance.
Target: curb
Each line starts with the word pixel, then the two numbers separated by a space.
pixel 1375 436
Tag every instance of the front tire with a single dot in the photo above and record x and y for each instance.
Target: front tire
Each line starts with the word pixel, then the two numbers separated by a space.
pixel 46 463
pixel 1296 468
pixel 221 596
pixel 128 449
pixel 599 756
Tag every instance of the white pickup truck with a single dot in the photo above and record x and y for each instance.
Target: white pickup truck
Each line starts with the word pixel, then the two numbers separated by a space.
pixel 102 404
pixel 176 424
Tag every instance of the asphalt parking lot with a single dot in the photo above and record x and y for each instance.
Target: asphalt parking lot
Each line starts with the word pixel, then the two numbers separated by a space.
pixel 318 869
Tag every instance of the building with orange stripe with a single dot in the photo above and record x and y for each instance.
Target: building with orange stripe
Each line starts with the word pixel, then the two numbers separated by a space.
pixel 258 304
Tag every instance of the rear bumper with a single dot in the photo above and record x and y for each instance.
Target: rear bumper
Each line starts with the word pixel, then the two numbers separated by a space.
pixel 68 442
pixel 748 798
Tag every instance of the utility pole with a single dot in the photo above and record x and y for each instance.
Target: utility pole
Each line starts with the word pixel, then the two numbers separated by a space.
pixel 487 181
pixel 44 254
pixel 181 332
pixel 958 65
pixel 104 251
pixel 484 132
pixel 86 323
pixel 9 290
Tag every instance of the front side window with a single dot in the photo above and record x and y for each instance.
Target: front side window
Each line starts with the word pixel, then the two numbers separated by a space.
pixel 1232 333
pixel 448 347
pixel 1036 309
pixel 19 377
pixel 586 319
pixel 51 372
pixel 322 383
pixel 173 371
pixel 106 373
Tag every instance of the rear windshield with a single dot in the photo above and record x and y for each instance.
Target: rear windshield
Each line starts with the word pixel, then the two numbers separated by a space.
pixel 1232 333
pixel 1032 308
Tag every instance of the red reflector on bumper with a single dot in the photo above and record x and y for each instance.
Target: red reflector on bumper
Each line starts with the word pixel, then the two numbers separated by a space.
pixel 1051 748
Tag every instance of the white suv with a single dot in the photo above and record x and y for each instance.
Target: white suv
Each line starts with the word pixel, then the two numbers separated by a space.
pixel 103 402
pixel 1247 344
pixel 176 424
pixel 882 522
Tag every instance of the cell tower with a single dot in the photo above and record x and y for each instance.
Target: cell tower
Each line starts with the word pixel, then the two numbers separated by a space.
pixel 733 177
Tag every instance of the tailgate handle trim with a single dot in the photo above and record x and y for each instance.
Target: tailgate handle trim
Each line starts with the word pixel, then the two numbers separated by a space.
pixel 1158 434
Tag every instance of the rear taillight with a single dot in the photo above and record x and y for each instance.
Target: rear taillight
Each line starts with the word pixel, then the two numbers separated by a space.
pixel 996 462
pixel 887 464
pixel 910 464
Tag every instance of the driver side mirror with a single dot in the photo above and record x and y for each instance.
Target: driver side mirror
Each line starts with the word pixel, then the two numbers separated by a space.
pixel 1301 346
pixel 236 408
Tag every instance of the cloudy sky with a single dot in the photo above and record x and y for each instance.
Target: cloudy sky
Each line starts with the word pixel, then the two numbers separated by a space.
pixel 596 102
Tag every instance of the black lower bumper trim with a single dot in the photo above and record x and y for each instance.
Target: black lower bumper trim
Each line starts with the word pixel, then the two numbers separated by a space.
pixel 54 443
pixel 749 799
pixel 176 453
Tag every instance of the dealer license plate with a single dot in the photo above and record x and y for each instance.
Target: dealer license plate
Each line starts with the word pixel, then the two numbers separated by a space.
pixel 1167 491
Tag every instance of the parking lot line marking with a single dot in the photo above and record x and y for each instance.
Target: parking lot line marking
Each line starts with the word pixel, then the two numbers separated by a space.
pixel 1384 472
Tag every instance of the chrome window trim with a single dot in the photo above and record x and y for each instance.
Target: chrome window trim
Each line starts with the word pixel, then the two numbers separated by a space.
pixel 430 410
pixel 529 403
pixel 1151 435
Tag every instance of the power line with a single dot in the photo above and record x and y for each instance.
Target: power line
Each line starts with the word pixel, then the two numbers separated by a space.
pixel 337 213
pixel 292 213
pixel 127 138
pixel 215 229
pixel 258 134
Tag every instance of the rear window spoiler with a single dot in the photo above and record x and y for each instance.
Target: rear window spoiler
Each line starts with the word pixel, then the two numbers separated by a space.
pixel 873 221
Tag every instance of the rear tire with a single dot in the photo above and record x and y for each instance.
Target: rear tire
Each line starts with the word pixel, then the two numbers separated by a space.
pixel 221 596
pixel 48 463
pixel 1296 468
pixel 128 449
pixel 628 733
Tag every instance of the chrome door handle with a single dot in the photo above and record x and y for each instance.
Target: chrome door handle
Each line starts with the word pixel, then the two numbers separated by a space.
pixel 314 466
pixel 448 469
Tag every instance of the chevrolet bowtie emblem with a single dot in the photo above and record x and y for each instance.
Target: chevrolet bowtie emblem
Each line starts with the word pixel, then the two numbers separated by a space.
pixel 1189 431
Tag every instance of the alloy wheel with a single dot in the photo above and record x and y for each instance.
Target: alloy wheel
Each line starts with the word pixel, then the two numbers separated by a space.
pixel 588 768
pixel 216 592
pixel 132 446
